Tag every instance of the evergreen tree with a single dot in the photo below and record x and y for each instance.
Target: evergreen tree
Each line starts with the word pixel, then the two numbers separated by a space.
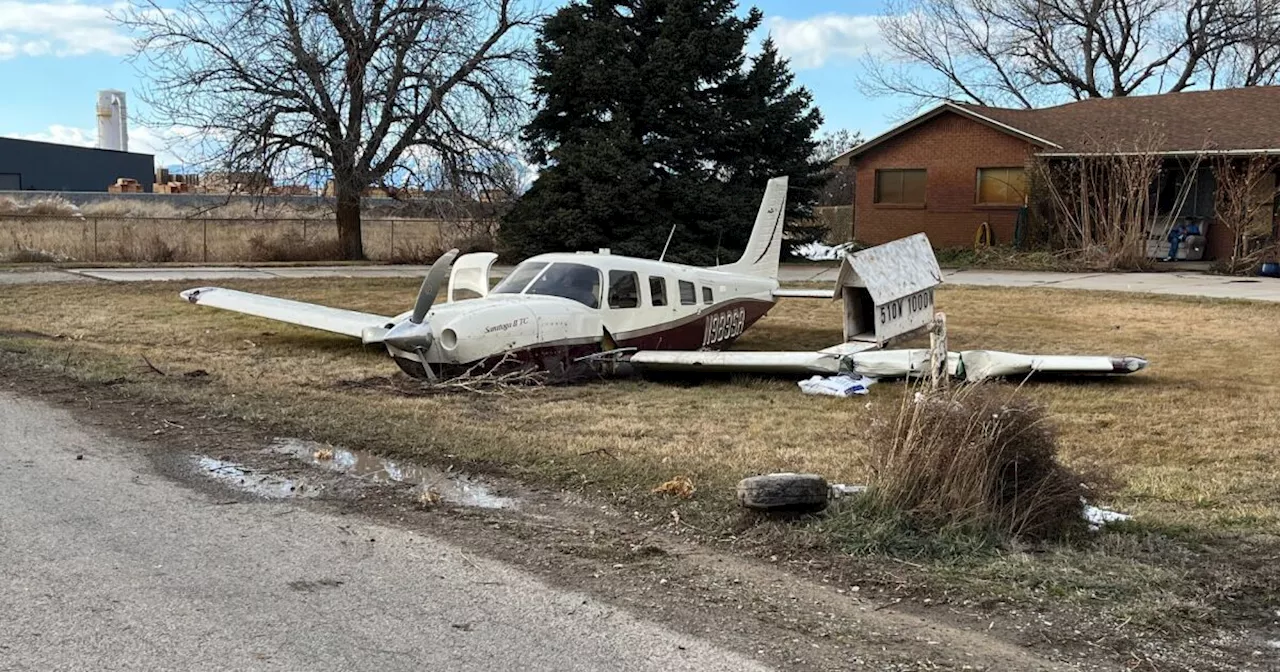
pixel 650 117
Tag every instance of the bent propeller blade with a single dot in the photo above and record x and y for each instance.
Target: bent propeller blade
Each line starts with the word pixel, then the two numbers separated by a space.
pixel 431 285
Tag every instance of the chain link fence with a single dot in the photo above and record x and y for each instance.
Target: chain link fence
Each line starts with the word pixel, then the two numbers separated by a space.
pixel 34 238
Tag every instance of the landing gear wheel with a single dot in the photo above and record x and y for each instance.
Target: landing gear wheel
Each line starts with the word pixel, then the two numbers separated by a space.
pixel 413 368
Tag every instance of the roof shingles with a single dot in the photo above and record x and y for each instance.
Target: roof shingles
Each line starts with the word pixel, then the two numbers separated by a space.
pixel 1221 120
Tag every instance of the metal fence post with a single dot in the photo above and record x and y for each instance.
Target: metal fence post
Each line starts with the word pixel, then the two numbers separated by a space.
pixel 391 251
pixel 95 239
pixel 204 239
pixel 304 229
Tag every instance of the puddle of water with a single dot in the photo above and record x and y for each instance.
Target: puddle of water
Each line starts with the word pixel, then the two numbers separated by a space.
pixel 455 488
pixel 241 477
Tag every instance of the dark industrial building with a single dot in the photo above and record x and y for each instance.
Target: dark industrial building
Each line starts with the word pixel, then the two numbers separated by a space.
pixel 44 166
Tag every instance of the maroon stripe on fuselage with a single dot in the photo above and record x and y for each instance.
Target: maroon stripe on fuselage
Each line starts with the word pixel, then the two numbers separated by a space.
pixel 687 333
pixel 690 333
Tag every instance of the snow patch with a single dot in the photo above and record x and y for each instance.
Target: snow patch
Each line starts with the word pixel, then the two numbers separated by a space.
pixel 817 251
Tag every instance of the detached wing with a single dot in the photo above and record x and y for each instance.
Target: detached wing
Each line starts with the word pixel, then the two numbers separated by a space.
pixel 365 326
pixel 971 365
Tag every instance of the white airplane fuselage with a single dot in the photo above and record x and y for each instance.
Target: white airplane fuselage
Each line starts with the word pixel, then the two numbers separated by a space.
pixel 553 308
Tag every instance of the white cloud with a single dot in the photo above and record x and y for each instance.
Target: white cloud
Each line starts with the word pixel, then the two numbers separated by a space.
pixel 60 29
pixel 810 43
pixel 166 144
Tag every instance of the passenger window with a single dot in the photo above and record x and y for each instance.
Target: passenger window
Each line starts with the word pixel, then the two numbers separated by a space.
pixel 624 289
pixel 706 296
pixel 657 291
pixel 688 295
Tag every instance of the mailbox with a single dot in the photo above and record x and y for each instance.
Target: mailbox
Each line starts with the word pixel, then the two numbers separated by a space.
pixel 887 290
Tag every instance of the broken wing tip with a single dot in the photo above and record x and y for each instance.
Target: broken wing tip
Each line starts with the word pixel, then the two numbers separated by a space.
pixel 194 294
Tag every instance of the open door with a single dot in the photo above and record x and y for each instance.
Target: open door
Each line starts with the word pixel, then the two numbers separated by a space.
pixel 470 276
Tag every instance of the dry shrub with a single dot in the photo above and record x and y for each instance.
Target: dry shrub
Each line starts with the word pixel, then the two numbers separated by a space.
pixel 26 255
pixel 52 206
pixel 47 206
pixel 291 246
pixel 129 208
pixel 154 248
pixel 977 458
pixel 465 236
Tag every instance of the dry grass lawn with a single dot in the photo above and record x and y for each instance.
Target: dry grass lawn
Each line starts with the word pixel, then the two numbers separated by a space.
pixel 1192 440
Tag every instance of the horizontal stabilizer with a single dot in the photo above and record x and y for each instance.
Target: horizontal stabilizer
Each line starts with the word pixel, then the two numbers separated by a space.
pixel 335 320
pixel 784 293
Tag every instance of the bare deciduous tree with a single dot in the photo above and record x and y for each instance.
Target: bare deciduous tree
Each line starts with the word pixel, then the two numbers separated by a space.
pixel 1101 205
pixel 1244 202
pixel 1026 53
pixel 390 93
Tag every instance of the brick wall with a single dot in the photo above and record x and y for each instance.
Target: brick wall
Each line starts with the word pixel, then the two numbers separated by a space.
pixel 950 148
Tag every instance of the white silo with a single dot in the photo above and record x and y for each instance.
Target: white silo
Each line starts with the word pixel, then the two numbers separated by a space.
pixel 113 124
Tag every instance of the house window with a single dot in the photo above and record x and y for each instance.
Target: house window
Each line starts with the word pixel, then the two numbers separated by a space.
pixel 688 295
pixel 1002 186
pixel 707 298
pixel 657 291
pixel 902 186
pixel 624 289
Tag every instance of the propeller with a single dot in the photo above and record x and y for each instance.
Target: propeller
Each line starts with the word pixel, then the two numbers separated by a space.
pixel 413 335
pixel 431 285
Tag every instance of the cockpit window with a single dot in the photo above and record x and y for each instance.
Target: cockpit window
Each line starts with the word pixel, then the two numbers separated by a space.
pixel 519 278
pixel 571 281
pixel 624 289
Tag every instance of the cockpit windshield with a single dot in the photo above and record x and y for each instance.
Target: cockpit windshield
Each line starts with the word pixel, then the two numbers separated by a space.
pixel 571 281
pixel 519 278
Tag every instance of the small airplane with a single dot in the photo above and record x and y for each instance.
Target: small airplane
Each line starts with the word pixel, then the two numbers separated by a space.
pixel 555 311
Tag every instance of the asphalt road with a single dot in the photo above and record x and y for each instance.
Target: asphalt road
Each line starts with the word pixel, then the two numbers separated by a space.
pixel 107 565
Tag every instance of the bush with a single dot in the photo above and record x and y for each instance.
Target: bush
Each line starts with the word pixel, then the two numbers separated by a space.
pixel 52 206
pixel 977 459
pixel 26 255
pixel 292 246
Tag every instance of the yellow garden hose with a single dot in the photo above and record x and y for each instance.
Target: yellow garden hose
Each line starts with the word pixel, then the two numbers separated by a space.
pixel 983 237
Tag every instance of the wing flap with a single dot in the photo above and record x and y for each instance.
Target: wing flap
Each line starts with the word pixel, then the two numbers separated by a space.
pixel 335 320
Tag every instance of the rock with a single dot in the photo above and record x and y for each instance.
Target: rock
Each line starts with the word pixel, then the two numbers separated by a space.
pixel 784 492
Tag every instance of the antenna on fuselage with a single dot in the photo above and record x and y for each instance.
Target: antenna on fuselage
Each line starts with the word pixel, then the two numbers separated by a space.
pixel 664 247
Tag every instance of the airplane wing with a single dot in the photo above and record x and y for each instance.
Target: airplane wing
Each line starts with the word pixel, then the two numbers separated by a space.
pixel 784 293
pixel 365 326
pixel 971 365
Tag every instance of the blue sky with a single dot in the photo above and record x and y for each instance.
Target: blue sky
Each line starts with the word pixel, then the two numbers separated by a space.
pixel 56 54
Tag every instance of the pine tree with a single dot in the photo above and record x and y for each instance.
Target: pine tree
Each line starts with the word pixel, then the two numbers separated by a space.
pixel 651 116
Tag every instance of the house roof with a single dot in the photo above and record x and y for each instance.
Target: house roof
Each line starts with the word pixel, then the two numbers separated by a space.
pixel 1190 121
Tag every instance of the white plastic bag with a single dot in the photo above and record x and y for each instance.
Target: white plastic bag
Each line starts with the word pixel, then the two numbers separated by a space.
pixel 843 385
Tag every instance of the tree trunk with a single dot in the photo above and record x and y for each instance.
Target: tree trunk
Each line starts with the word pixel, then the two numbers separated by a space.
pixel 347 210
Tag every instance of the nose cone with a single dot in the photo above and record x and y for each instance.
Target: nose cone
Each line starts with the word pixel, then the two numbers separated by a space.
pixel 409 337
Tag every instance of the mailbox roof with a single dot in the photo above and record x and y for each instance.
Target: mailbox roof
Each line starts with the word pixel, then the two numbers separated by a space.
pixel 891 271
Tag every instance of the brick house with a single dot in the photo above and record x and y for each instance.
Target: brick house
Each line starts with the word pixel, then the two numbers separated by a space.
pixel 956 166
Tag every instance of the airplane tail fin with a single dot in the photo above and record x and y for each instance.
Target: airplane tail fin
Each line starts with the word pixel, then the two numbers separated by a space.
pixel 764 248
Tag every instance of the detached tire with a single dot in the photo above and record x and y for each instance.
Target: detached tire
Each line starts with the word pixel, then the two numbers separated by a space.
pixel 784 492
